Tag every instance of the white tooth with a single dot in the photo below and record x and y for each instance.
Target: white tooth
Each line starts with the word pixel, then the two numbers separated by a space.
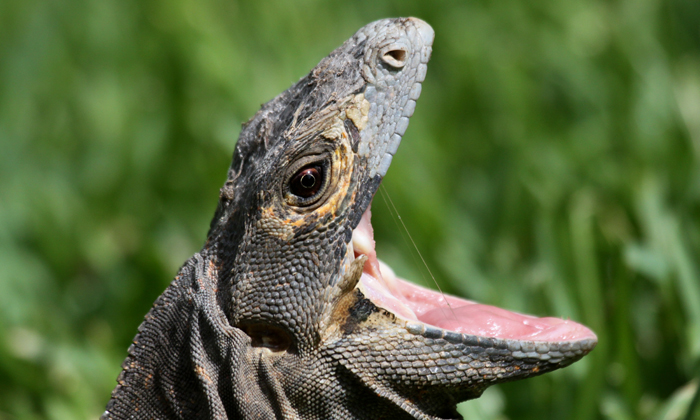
pixel 387 273
pixel 361 242
pixel 389 279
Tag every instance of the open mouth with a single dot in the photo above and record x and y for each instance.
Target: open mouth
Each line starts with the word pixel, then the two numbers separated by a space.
pixel 414 303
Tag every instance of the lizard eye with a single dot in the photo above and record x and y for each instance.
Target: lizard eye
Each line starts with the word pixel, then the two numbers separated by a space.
pixel 307 184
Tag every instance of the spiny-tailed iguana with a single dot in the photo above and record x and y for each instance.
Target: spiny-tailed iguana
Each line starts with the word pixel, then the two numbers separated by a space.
pixel 286 313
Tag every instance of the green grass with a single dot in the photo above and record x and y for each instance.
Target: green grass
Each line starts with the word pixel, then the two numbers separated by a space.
pixel 552 167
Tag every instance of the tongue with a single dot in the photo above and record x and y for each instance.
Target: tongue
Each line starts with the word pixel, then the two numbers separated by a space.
pixel 411 302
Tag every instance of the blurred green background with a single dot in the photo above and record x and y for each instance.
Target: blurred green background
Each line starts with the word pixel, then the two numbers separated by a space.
pixel 552 167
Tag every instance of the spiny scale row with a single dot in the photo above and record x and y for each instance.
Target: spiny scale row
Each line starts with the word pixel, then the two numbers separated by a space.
pixel 553 352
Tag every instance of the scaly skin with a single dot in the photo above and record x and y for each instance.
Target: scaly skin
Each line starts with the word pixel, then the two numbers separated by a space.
pixel 268 321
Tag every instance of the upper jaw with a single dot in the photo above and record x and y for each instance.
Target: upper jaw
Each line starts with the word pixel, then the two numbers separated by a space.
pixel 390 91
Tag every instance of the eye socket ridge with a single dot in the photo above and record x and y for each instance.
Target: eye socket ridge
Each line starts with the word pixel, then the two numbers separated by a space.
pixel 307 181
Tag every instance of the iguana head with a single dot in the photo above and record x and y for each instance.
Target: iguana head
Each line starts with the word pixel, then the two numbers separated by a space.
pixel 330 332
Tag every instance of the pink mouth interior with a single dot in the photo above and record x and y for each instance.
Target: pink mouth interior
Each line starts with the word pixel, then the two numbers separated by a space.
pixel 411 302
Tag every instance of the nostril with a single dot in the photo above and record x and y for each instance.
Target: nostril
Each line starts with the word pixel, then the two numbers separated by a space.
pixel 395 58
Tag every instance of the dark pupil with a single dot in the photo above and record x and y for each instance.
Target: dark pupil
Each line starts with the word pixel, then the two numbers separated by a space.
pixel 306 182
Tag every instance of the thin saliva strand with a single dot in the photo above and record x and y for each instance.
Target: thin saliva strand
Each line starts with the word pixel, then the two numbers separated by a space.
pixel 402 229
pixel 395 215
